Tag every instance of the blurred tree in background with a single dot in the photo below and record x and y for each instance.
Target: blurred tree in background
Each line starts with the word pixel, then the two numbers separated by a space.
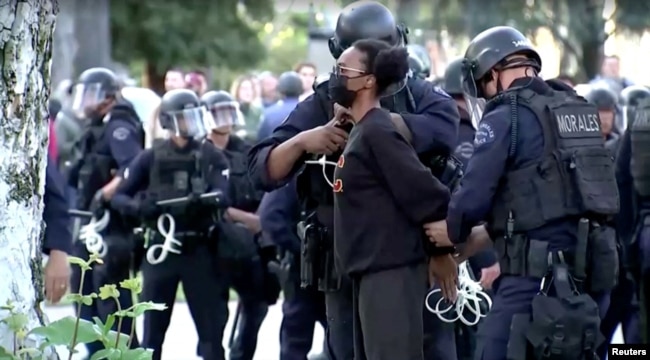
pixel 231 37
pixel 578 26
pixel 188 33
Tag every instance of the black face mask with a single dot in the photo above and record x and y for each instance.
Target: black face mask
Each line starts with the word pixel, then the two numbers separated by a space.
pixel 339 92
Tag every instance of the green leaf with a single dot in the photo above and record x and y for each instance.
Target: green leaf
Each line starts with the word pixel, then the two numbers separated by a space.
pixel 140 308
pixel 110 320
pixel 60 332
pixel 112 336
pixel 84 265
pixel 134 285
pixel 29 352
pixel 108 354
pixel 78 298
pixel 109 291
pixel 94 258
pixel 9 306
pixel 16 321
pixel 137 354
pixel 6 355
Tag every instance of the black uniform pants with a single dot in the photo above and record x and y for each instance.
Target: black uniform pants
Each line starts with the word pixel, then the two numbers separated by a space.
pixel 98 276
pixel 388 314
pixel 249 284
pixel 195 269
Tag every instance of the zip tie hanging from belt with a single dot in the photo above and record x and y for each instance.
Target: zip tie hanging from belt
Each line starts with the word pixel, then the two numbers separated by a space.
pixel 90 235
pixel 322 161
pixel 170 243
pixel 471 298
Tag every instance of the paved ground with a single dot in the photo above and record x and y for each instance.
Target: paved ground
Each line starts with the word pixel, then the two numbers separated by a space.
pixel 181 337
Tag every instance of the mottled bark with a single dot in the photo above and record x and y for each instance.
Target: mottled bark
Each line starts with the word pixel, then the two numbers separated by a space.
pixel 25 44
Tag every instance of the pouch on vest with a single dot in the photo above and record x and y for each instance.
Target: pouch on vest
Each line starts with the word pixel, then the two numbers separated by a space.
pixel 565 325
pixel 603 259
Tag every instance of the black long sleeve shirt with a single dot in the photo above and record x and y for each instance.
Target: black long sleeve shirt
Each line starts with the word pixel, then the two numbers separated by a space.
pixel 382 197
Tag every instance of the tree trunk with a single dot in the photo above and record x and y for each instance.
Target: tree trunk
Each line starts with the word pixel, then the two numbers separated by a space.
pixel 25 41
pixel 154 80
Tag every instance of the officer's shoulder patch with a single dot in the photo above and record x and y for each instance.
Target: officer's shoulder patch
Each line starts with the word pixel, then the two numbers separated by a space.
pixel 464 150
pixel 121 133
pixel 439 90
pixel 484 134
pixel 321 80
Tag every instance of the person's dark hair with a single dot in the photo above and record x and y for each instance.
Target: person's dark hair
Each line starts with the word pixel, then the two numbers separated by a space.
pixel 387 63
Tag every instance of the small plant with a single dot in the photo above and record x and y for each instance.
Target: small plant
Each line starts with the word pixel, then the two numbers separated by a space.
pixel 72 330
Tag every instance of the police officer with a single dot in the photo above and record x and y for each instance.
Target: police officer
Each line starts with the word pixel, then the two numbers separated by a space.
pixel 607 103
pixel 240 265
pixel 543 182
pixel 631 97
pixel 632 177
pixel 289 84
pixel 428 117
pixel 419 61
pixel 181 171
pixel 484 264
pixel 112 139
pixel 302 308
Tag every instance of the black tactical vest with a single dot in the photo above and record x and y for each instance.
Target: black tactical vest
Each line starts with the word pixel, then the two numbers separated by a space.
pixel 574 177
pixel 175 173
pixel 243 194
pixel 96 169
pixel 640 141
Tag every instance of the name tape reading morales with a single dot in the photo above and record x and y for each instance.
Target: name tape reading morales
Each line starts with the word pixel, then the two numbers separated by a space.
pixel 576 122
pixel 627 351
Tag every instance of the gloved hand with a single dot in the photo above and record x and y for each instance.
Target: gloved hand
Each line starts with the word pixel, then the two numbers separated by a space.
pixel 98 205
pixel 148 210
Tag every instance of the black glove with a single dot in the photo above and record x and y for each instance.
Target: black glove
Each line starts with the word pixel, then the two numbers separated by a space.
pixel 98 205
pixel 148 209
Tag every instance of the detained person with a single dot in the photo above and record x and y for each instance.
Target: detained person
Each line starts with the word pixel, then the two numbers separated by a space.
pixel 383 196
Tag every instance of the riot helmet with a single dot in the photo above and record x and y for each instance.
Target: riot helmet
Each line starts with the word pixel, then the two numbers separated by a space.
pixel 290 85
pixel 632 97
pixel 181 113
pixel 419 61
pixel 602 98
pixel 365 20
pixel 94 91
pixel 223 111
pixel 452 82
pixel 493 49
pixel 606 102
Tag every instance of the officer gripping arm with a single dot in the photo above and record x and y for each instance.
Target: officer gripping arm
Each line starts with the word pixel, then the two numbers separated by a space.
pixel 471 203
pixel 58 237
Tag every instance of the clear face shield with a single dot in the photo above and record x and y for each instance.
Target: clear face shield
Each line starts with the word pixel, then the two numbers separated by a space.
pixel 627 116
pixel 475 105
pixel 224 116
pixel 188 123
pixel 86 98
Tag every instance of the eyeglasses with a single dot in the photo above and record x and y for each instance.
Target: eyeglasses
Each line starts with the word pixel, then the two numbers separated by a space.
pixel 337 70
